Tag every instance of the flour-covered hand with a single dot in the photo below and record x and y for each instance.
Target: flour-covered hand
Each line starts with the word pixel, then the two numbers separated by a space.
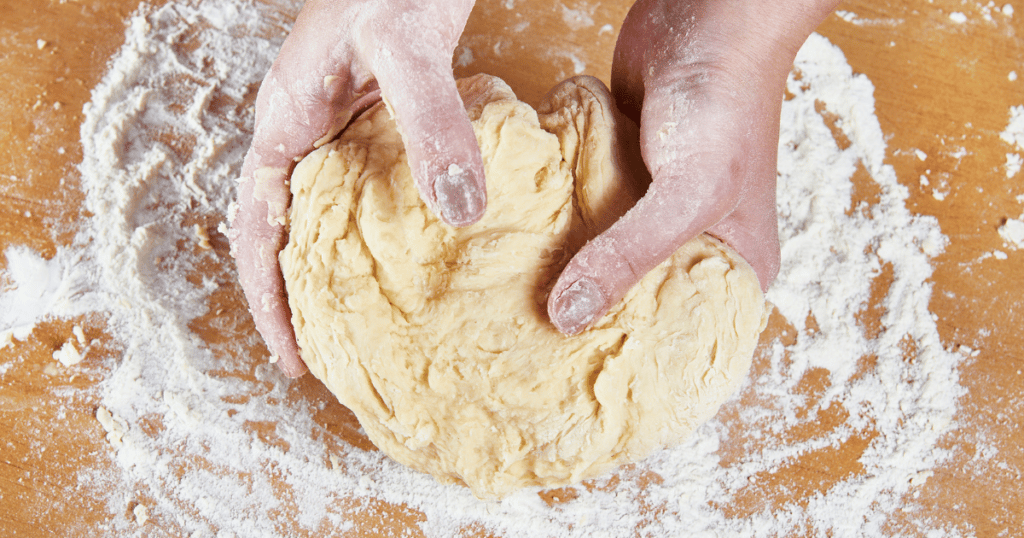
pixel 705 80
pixel 341 57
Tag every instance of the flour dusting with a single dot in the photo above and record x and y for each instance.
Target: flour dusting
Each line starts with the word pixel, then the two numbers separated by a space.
pixel 1014 136
pixel 163 139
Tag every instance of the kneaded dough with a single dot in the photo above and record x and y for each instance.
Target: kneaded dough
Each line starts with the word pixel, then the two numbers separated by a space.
pixel 437 338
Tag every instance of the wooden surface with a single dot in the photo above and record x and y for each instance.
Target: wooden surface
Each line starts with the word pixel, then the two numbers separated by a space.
pixel 940 86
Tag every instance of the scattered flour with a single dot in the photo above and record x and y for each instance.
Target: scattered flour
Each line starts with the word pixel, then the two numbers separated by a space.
pixel 1013 164
pixel 463 56
pixel 114 426
pixel 1014 136
pixel 847 16
pixel 163 138
pixel 1012 231
pixel 579 18
pixel 68 354
pixel 30 288
pixel 990 10
pixel 141 514
pixel 856 20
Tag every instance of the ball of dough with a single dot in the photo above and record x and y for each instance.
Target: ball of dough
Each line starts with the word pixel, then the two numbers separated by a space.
pixel 437 338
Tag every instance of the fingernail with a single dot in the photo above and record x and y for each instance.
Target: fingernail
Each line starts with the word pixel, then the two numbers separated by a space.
pixel 459 199
pixel 291 368
pixel 577 306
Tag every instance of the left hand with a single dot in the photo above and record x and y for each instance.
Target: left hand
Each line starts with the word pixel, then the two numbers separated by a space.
pixel 341 57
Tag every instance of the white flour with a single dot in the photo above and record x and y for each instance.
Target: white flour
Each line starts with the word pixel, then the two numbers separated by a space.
pixel 1014 136
pixel 1012 230
pixel 164 137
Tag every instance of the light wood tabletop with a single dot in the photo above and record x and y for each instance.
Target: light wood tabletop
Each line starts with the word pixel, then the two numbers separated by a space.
pixel 946 75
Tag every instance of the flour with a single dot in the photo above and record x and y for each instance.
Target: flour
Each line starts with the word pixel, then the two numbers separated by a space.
pixel 68 354
pixel 163 138
pixel 857 20
pixel 1012 230
pixel 1014 136
pixel 577 19
pixel 29 289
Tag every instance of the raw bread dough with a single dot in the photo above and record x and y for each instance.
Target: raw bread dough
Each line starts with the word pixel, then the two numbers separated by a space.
pixel 438 339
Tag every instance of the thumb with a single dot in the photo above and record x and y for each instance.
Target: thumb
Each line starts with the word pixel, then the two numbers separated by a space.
pixel 440 143
pixel 671 213
pixel 601 273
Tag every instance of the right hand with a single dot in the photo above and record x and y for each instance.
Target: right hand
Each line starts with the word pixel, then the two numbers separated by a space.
pixel 341 57
pixel 704 80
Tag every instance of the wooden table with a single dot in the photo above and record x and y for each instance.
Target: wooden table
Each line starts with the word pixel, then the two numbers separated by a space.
pixel 936 81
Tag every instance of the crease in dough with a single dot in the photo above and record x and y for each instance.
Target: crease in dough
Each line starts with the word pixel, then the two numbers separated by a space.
pixel 437 338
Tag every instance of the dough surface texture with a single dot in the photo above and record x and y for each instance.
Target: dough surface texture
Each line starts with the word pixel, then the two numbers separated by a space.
pixel 438 339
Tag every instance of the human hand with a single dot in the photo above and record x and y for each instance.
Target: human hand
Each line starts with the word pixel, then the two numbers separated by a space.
pixel 341 57
pixel 704 79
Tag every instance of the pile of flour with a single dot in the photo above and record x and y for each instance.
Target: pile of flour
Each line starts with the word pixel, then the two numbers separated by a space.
pixel 164 137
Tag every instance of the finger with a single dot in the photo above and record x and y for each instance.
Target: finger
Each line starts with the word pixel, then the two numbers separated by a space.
pixel 302 103
pixel 256 238
pixel 440 143
pixel 290 117
pixel 713 163
pixel 607 267
pixel 601 273
pixel 419 87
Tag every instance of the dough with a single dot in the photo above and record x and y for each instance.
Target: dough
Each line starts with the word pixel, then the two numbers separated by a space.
pixel 438 339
